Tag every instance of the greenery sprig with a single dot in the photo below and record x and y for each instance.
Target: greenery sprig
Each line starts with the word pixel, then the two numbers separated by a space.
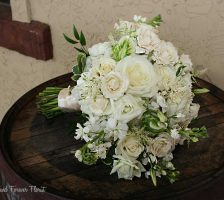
pixel 155 21
pixel 79 39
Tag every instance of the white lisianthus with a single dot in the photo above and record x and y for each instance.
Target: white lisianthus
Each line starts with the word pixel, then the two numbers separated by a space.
pixel 78 155
pixel 100 49
pixel 141 75
pixel 114 85
pixel 186 61
pixel 165 54
pixel 129 147
pixel 167 77
pixel 127 108
pixel 127 169
pixel 147 38
pixel 98 105
pixel 161 145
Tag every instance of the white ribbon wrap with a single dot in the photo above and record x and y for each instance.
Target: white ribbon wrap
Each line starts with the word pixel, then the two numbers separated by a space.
pixel 67 102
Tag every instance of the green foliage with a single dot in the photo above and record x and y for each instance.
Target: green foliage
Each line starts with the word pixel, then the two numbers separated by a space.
pixel 122 49
pixel 200 91
pixel 79 68
pixel 153 122
pixel 179 70
pixel 47 102
pixel 155 21
pixel 194 134
pixel 80 40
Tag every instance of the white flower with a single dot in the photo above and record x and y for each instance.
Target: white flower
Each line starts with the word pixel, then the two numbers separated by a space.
pixel 165 54
pixel 161 145
pixel 103 65
pixel 138 18
pixel 141 75
pixel 100 49
pixel 101 149
pixel 186 61
pixel 129 147
pixel 115 129
pixel 68 102
pixel 114 85
pixel 78 155
pixel 127 108
pixel 81 133
pixel 175 134
pixel 98 105
pixel 147 38
pixel 127 169
pixel 167 77
pixel 194 108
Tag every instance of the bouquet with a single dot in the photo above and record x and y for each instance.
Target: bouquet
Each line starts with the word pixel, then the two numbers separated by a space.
pixel 135 92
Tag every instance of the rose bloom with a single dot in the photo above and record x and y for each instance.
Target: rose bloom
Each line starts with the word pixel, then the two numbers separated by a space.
pixel 114 85
pixel 127 169
pixel 127 108
pixel 165 54
pixel 161 145
pixel 147 38
pixel 129 147
pixel 103 65
pixel 100 49
pixel 141 75
pixel 98 105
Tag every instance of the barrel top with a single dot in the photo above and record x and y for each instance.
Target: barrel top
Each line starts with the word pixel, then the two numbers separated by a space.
pixel 39 151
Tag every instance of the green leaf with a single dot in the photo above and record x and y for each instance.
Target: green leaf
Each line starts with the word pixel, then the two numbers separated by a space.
pixel 75 32
pixel 153 176
pixel 79 50
pixel 82 39
pixel 155 21
pixel 179 70
pixel 201 91
pixel 69 39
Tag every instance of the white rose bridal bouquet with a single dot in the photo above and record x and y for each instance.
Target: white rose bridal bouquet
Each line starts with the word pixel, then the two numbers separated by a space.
pixel 136 94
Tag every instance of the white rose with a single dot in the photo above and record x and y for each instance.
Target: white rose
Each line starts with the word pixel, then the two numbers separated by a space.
pixel 129 147
pixel 167 77
pixel 161 145
pixel 165 54
pixel 147 38
pixel 127 169
pixel 67 102
pixel 141 75
pixel 100 49
pixel 185 59
pixel 97 106
pixel 127 108
pixel 114 85
pixel 103 65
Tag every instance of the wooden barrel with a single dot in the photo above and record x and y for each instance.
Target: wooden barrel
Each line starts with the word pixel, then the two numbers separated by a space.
pixel 35 153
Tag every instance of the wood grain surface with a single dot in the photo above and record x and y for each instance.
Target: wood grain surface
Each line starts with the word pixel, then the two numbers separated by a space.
pixel 38 150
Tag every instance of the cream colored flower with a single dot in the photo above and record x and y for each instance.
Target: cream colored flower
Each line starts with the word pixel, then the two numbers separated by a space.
pixel 141 75
pixel 165 54
pixel 161 145
pixel 98 105
pixel 167 77
pixel 114 85
pixel 103 65
pixel 127 169
pixel 129 147
pixel 147 38
pixel 127 108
